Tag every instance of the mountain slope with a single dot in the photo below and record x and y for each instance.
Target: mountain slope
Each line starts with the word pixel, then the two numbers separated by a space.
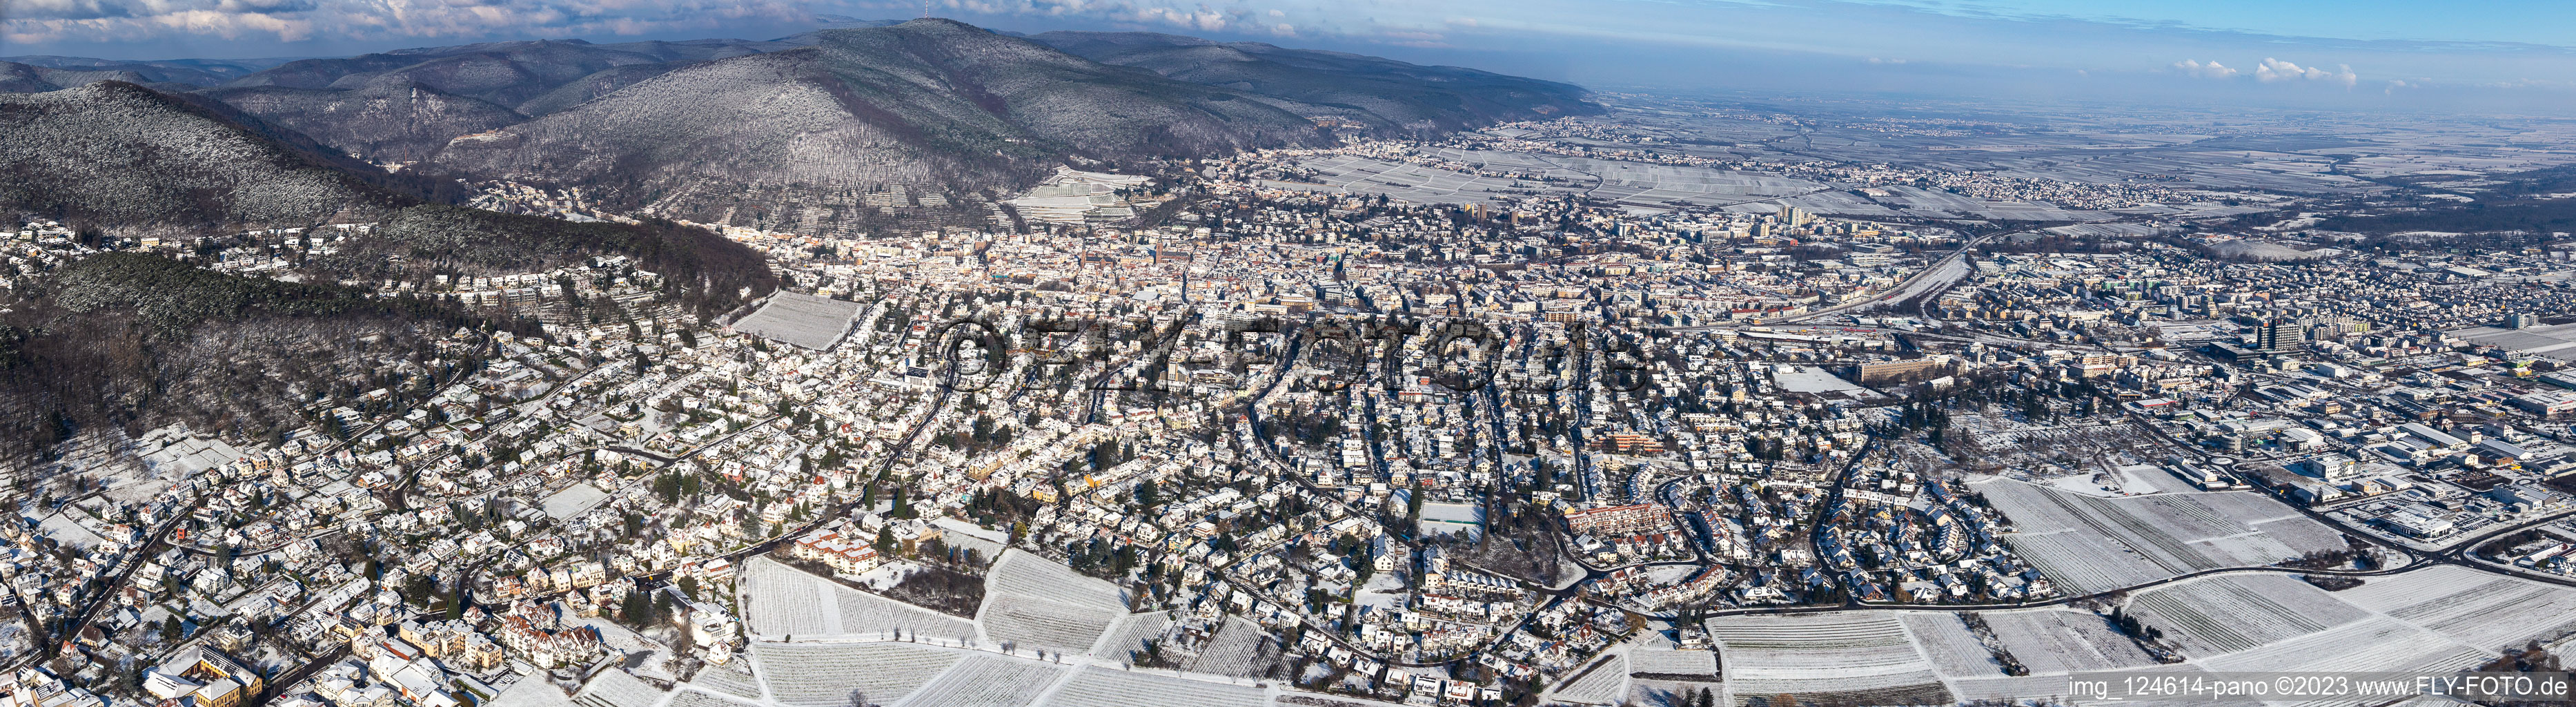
pixel 137 341
pixel 118 155
pixel 930 103
pixel 503 73
pixel 1382 93
pixel 388 119
pixel 201 72
pixel 127 160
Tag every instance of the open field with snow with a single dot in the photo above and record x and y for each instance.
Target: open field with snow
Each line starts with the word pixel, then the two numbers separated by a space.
pixel 2226 614
pixel 1032 601
pixel 1130 633
pixel 987 681
pixel 2059 641
pixel 2162 534
pixel 694 698
pixel 1954 651
pixel 2472 607
pixel 1847 652
pixel 828 674
pixel 1601 683
pixel 727 680
pixel 1096 686
pixel 2374 644
pixel 1235 650
pixel 782 602
pixel 1642 660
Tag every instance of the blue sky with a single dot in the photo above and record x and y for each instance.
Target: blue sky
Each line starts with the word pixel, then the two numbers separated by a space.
pixel 2512 55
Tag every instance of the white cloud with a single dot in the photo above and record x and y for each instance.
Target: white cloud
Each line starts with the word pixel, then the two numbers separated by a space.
pixel 2211 70
pixel 2275 70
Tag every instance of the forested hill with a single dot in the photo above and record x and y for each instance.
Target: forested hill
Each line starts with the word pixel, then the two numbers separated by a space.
pixel 140 341
pixel 122 159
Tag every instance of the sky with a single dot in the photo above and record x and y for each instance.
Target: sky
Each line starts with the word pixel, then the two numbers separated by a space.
pixel 2505 56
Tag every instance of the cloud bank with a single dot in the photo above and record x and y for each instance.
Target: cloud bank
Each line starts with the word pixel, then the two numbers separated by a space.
pixel 2275 70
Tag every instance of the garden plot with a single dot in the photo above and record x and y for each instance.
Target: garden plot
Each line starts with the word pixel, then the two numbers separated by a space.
pixel 1095 686
pixel 2472 607
pixel 2377 643
pixel 1601 684
pixel 2056 641
pixel 828 674
pixel 1764 655
pixel 785 602
pixel 1234 651
pixel 1034 602
pixel 2234 613
pixel 1955 652
pixel 987 681
pixel 2174 533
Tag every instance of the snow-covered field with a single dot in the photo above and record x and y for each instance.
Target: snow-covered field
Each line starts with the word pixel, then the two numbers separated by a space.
pixel 2374 644
pixel 1130 633
pixel 1234 650
pixel 1601 684
pixel 2472 607
pixel 1843 652
pixel 728 680
pixel 694 698
pixel 1096 686
pixel 987 681
pixel 1644 660
pixel 785 602
pixel 2226 614
pixel 828 674
pixel 1034 602
pixel 1955 652
pixel 2163 534
pixel 2058 641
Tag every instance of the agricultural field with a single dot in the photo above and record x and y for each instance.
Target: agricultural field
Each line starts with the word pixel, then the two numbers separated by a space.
pixel 1600 683
pixel 1031 601
pixel 828 674
pixel 694 698
pixel 1130 633
pixel 2060 641
pixel 1662 662
pixel 616 688
pixel 726 680
pixel 1095 686
pixel 2164 534
pixel 983 680
pixel 2380 643
pixel 1954 651
pixel 784 602
pixel 2472 607
pixel 2083 563
pixel 2227 614
pixel 1235 651
pixel 1820 653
